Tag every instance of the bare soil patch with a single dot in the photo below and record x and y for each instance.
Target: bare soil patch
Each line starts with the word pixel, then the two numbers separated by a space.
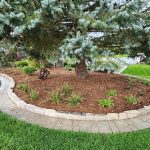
pixel 92 89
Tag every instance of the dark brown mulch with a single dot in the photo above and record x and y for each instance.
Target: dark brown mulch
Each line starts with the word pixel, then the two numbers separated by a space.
pixel 92 89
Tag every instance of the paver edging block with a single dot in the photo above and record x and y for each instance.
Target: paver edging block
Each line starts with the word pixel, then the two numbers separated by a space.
pixel 86 116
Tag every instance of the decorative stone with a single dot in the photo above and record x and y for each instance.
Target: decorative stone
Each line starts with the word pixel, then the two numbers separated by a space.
pixel 49 112
pixel 123 116
pixel 100 117
pixel 29 107
pixel 142 111
pixel 132 113
pixel 112 116
pixel 147 109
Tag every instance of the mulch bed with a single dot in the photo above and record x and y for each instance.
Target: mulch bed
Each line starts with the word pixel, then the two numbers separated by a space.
pixel 92 89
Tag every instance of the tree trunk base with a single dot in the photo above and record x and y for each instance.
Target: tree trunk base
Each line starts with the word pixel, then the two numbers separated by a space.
pixel 81 69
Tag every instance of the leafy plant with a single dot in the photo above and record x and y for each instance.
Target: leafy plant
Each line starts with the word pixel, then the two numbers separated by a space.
pixel 66 89
pixel 24 87
pixel 131 99
pixel 56 97
pixel 21 63
pixel 103 66
pixel 29 70
pixel 68 67
pixel 75 99
pixel 106 102
pixel 111 92
pixel 146 83
pixel 34 95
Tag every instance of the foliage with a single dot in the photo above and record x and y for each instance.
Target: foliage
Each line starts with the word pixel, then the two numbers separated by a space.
pixel 131 99
pixel 106 62
pixel 111 92
pixel 146 83
pixel 67 89
pixel 78 47
pixel 21 63
pixel 34 95
pixel 104 66
pixel 68 67
pixel 74 99
pixel 56 97
pixel 24 87
pixel 106 102
pixel 41 27
pixel 29 70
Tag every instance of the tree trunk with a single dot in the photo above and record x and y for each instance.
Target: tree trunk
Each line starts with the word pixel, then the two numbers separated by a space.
pixel 81 69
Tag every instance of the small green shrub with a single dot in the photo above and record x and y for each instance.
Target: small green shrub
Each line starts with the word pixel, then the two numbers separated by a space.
pixel 24 87
pixel 75 99
pixel 131 99
pixel 67 89
pixel 111 93
pixel 106 102
pixel 56 97
pixel 146 83
pixel 68 67
pixel 34 95
pixel 29 70
pixel 21 63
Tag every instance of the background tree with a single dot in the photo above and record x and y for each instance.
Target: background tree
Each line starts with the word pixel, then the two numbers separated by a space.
pixel 40 26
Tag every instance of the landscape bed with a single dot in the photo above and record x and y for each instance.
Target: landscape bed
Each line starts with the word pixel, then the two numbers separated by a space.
pixel 121 90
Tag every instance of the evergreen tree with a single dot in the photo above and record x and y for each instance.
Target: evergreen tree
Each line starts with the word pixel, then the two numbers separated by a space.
pixel 41 26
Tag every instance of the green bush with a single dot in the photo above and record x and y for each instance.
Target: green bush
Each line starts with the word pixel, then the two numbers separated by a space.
pixel 56 97
pixel 146 83
pixel 67 89
pixel 21 63
pixel 106 102
pixel 34 95
pixel 131 99
pixel 75 99
pixel 68 67
pixel 29 70
pixel 107 66
pixel 24 87
pixel 111 93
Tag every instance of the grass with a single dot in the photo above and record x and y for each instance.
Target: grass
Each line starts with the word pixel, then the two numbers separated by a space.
pixel 141 70
pixel 17 135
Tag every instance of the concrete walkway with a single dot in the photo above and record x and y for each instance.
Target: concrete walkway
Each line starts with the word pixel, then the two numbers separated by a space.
pixel 127 125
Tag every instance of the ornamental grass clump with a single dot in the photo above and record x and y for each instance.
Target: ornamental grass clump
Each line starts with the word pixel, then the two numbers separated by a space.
pixel 56 97
pixel 66 89
pixel 34 95
pixel 75 99
pixel 24 87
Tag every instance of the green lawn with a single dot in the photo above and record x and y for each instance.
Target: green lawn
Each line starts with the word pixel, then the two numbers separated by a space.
pixel 140 70
pixel 17 135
